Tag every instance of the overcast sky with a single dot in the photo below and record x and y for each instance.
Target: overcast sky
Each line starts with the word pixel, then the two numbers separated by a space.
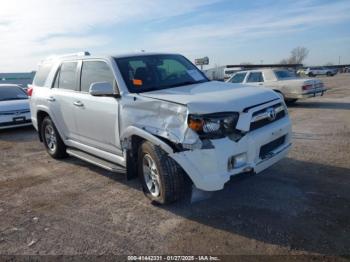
pixel 226 31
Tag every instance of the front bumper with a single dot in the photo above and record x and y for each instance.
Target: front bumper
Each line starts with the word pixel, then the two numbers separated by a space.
pixel 208 168
pixel 10 121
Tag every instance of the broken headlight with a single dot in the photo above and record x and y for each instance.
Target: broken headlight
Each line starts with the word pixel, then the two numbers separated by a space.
pixel 213 126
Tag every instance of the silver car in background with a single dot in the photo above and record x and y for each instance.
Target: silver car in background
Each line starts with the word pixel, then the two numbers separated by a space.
pixel 320 70
pixel 14 107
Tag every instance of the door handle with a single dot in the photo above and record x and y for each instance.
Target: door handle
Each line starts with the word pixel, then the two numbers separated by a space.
pixel 51 99
pixel 78 103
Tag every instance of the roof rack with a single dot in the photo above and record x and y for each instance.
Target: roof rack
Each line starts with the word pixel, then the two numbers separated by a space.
pixel 78 54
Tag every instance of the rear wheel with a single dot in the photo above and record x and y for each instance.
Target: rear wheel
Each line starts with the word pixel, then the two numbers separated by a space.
pixel 52 140
pixel 329 74
pixel 161 178
pixel 311 74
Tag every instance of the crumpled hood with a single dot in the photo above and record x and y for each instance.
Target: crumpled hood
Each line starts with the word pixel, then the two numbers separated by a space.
pixel 12 105
pixel 214 96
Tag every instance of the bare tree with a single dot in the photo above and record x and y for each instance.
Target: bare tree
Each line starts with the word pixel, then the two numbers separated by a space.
pixel 297 56
pixel 284 61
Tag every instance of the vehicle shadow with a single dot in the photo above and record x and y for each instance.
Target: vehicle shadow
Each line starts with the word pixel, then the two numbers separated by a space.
pixel 117 177
pixel 18 134
pixel 299 205
pixel 321 105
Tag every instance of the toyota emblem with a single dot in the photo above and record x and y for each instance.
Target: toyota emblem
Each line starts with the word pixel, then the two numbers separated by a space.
pixel 271 114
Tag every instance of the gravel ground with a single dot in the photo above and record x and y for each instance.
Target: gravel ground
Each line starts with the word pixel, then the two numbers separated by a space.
pixel 299 206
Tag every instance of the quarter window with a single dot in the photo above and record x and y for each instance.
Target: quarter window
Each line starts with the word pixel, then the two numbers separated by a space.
pixel 255 77
pixel 41 74
pixel 93 72
pixel 238 78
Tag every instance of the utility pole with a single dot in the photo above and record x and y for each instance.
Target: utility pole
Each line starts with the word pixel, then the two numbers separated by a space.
pixel 339 61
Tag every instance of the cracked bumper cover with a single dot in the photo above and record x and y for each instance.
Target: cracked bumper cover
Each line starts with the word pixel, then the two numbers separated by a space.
pixel 208 168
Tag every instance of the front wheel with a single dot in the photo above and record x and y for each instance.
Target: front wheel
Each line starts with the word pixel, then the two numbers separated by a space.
pixel 161 178
pixel 310 74
pixel 52 140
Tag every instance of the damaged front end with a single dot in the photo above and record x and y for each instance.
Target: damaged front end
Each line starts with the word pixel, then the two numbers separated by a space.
pixel 211 147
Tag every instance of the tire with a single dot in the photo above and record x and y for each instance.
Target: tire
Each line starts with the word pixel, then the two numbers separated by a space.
pixel 310 74
pixel 329 74
pixel 52 140
pixel 165 172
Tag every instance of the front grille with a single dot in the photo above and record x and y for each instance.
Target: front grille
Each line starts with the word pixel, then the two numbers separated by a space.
pixel 15 123
pixel 265 121
pixel 265 150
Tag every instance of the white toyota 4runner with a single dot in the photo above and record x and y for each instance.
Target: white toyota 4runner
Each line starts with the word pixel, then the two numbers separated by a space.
pixel 157 116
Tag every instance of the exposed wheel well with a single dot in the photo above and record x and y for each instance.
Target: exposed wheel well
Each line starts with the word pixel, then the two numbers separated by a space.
pixel 40 117
pixel 132 156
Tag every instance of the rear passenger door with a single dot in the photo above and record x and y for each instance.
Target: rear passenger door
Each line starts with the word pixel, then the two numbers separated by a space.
pixel 64 93
pixel 255 78
pixel 97 116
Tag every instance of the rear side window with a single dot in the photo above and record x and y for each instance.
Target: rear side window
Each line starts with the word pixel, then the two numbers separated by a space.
pixel 66 77
pixel 41 74
pixel 255 77
pixel 95 71
pixel 238 78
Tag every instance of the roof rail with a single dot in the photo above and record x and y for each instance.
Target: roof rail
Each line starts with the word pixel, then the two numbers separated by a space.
pixel 78 54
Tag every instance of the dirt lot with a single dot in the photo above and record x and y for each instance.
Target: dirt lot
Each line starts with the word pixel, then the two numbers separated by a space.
pixel 300 205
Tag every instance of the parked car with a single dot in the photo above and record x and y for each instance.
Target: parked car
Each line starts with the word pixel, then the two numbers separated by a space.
pixel 159 117
pixel 229 71
pixel 282 81
pixel 315 71
pixel 301 72
pixel 14 107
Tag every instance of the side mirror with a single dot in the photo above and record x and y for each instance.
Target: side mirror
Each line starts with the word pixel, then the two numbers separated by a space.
pixel 102 89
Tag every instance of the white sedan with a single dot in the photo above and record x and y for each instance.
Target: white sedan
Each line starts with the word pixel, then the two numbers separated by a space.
pixel 282 81
pixel 14 107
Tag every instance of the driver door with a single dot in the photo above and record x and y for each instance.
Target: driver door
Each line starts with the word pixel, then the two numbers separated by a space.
pixel 97 116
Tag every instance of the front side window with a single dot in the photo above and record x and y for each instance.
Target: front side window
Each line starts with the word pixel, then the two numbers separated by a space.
pixel 12 93
pixel 155 72
pixel 42 74
pixel 255 77
pixel 93 72
pixel 238 78
pixel 66 77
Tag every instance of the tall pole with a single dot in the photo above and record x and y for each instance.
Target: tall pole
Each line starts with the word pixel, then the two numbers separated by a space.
pixel 339 61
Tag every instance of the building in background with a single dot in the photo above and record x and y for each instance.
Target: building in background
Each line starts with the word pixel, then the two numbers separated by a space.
pixel 22 79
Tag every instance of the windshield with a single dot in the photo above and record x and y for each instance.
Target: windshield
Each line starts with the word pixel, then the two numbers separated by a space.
pixel 12 93
pixel 155 72
pixel 281 74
